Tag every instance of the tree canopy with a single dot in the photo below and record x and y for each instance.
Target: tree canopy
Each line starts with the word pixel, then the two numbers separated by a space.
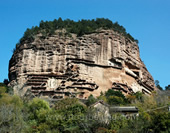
pixel 80 28
pixel 158 85
pixel 71 115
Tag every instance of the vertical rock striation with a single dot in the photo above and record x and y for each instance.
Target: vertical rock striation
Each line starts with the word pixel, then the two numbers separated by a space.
pixel 60 66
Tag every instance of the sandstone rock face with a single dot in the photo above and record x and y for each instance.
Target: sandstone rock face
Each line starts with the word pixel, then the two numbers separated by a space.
pixel 59 66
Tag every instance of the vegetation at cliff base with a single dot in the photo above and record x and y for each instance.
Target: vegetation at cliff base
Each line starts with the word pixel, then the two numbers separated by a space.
pixel 80 28
pixel 70 115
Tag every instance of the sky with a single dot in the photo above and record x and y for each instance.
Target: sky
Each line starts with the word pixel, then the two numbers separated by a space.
pixel 146 20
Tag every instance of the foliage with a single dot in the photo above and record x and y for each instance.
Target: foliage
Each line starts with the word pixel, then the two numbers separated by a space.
pixel 118 122
pixel 137 125
pixel 131 98
pixel 11 118
pixel 11 115
pixel 167 87
pixel 115 97
pixel 6 82
pixel 146 106
pixel 153 115
pixel 65 103
pixel 162 98
pixel 136 96
pixel 5 89
pixel 161 122
pixel 80 28
pixel 91 100
pixel 139 96
pixel 111 92
pixel 157 85
pixel 70 115
pixel 65 116
pixel 37 107
pixel 102 97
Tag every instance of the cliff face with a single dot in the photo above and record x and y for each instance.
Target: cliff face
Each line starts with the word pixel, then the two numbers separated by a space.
pixel 60 66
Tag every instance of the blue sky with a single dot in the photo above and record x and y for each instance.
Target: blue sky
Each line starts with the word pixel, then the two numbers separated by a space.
pixel 146 20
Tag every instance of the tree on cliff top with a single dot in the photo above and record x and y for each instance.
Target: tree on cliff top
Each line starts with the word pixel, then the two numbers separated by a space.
pixel 80 28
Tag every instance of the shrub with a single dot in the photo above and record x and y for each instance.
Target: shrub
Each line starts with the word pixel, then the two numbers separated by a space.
pixel 91 100
pixel 115 97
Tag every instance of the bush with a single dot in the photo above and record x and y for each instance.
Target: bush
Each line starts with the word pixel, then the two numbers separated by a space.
pixel 161 122
pixel 36 107
pixel 11 113
pixel 91 100
pixel 115 100
pixel 115 97
pixel 136 96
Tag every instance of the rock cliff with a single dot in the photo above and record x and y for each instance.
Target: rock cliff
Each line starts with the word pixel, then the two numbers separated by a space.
pixel 60 65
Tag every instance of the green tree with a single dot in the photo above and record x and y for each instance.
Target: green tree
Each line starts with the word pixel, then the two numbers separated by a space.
pixel 11 113
pixel 136 96
pixel 167 87
pixel 157 85
pixel 36 107
pixel 161 122
pixel 118 122
pixel 11 118
pixel 91 100
pixel 115 97
pixel 115 100
pixel 80 28
pixel 6 82
pixel 71 115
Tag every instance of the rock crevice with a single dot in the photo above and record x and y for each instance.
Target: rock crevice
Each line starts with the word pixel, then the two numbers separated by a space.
pixel 60 66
